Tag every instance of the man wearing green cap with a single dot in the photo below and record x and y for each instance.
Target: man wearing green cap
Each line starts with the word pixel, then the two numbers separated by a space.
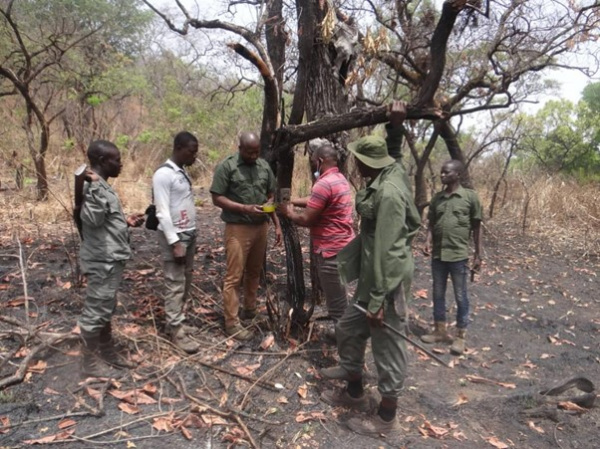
pixel 380 258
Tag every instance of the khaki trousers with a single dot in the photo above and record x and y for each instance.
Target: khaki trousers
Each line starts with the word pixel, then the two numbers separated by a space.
pixel 245 246
pixel 333 289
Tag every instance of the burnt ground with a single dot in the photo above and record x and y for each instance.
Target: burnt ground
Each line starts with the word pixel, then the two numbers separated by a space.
pixel 535 323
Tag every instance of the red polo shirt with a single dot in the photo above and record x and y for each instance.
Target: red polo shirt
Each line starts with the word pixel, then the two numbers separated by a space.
pixel 332 196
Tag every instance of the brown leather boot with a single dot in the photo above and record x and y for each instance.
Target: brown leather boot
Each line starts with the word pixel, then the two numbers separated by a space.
pixel 340 398
pixel 458 347
pixel 184 341
pixel 92 364
pixel 111 354
pixel 439 335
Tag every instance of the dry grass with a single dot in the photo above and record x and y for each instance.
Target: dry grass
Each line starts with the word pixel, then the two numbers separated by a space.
pixel 559 212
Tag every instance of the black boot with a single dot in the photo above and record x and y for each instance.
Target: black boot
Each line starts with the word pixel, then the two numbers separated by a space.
pixel 92 364
pixel 110 353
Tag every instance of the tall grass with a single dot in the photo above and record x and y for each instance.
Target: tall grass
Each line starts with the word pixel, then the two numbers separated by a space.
pixel 559 211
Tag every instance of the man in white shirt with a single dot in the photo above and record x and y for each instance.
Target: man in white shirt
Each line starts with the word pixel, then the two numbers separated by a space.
pixel 176 213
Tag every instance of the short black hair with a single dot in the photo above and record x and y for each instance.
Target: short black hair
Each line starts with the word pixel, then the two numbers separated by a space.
pixel 327 151
pixel 184 138
pixel 99 148
pixel 457 165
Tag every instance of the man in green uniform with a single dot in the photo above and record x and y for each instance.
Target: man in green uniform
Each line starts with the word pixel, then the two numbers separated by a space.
pixel 104 251
pixel 454 213
pixel 380 258
pixel 242 183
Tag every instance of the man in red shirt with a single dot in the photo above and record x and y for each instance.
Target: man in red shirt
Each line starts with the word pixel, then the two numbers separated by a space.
pixel 328 214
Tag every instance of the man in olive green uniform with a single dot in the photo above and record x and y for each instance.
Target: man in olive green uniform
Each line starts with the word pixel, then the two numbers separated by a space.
pixel 242 183
pixel 380 258
pixel 454 214
pixel 104 251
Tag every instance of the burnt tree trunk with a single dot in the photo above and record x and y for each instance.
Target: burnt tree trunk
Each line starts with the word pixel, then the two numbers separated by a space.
pixel 421 161
pixel 325 95
pixel 282 158
pixel 38 150
pixel 500 180
pixel 448 133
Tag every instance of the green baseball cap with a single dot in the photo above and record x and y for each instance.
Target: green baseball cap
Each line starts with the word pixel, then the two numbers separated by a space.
pixel 371 151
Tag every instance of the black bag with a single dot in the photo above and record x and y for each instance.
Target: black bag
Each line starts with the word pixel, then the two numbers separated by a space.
pixel 151 219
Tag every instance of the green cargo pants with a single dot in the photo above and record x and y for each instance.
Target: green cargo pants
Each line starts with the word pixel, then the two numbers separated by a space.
pixel 103 281
pixel 389 350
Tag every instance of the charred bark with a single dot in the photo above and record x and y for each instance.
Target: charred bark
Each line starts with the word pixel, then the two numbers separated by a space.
pixel 437 53
pixel 331 124
pixel 448 133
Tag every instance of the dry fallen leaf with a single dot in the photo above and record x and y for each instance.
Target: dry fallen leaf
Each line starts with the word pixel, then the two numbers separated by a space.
pixel 128 408
pixel 94 394
pixel 133 396
pixel 310 416
pixel 193 420
pixel 67 422
pixel 163 423
pixel 303 391
pixel 39 367
pixel 282 400
pixel 267 342
pixel 421 293
pixel 532 426
pixel 62 435
pixel 247 370
pixel 497 443
pixel 49 390
pixel 571 406
pixel 427 429
pixel 462 399
pixel 150 388
pixel 213 420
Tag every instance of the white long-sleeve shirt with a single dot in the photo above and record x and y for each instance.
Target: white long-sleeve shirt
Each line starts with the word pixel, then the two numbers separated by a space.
pixel 174 201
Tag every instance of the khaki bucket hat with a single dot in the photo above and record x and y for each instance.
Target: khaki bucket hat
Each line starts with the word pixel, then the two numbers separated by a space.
pixel 371 151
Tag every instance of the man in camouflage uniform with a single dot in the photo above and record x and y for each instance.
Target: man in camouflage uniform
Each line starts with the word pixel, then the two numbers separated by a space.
pixel 104 251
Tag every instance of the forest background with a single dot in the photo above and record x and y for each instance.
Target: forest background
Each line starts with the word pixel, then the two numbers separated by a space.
pixel 136 73
pixel 479 79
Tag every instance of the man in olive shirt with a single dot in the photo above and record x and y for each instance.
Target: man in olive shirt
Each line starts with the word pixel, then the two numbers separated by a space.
pixel 380 258
pixel 242 183
pixel 453 214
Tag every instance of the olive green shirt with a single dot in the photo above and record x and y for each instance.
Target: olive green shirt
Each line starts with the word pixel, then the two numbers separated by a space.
pixel 244 184
pixel 380 257
pixel 104 227
pixel 451 218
